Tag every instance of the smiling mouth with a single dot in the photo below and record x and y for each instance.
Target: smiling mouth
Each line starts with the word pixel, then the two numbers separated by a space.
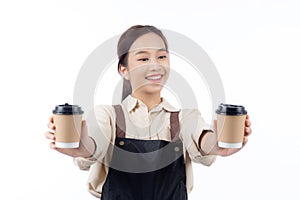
pixel 154 77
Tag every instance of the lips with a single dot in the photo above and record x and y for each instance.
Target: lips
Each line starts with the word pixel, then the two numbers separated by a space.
pixel 154 77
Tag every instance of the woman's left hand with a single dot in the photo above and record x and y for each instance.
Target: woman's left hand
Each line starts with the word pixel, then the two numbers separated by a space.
pixel 229 151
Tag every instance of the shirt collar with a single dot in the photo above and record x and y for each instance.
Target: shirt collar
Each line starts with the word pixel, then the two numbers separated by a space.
pixel 130 103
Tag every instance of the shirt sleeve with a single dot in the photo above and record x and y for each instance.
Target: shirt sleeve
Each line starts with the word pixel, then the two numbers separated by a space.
pixel 100 128
pixel 192 126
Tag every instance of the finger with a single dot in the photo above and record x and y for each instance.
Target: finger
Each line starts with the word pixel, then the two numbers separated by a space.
pixel 51 123
pixel 215 126
pixel 83 127
pixel 52 145
pixel 84 134
pixel 245 140
pixel 248 122
pixel 248 131
pixel 51 119
pixel 49 135
pixel 51 126
pixel 247 117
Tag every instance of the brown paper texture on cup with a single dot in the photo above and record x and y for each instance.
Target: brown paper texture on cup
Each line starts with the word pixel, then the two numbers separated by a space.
pixel 67 128
pixel 231 128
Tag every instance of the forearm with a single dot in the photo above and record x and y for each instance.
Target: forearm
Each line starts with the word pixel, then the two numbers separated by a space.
pixel 208 141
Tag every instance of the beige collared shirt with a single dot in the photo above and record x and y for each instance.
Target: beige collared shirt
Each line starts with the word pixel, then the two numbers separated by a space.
pixel 141 124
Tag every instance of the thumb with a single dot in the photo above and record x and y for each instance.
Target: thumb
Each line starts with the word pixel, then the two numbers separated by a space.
pixel 84 131
pixel 215 126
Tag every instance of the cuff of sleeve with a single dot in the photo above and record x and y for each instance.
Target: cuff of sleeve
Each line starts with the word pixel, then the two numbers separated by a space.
pixel 83 163
pixel 95 149
pixel 198 136
pixel 198 156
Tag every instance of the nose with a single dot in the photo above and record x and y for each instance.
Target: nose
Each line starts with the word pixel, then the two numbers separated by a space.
pixel 155 63
pixel 154 66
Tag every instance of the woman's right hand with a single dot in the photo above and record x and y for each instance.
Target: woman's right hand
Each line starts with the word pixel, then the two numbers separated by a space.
pixel 86 144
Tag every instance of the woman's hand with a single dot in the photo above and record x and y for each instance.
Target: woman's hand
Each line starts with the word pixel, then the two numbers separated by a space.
pixel 209 142
pixel 86 144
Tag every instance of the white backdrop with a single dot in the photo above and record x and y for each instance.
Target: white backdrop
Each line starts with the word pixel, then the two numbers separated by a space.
pixel 254 44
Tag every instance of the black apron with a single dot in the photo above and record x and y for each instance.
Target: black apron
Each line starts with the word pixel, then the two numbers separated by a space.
pixel 146 169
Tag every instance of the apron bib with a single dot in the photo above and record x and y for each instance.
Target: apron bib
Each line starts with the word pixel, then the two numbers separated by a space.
pixel 146 169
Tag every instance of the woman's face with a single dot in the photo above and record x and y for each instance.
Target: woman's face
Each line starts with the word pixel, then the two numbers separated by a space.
pixel 148 64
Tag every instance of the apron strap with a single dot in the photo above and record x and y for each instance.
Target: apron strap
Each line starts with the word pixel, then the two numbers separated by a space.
pixel 174 123
pixel 120 121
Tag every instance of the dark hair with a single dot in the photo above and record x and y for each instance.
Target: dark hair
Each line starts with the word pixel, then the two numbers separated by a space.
pixel 124 44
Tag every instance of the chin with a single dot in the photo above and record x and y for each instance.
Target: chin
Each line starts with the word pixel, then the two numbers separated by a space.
pixel 152 89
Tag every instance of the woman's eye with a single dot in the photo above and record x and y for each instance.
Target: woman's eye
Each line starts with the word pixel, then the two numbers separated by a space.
pixel 143 59
pixel 162 57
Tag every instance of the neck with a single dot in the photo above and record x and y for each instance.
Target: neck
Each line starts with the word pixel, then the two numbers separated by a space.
pixel 150 100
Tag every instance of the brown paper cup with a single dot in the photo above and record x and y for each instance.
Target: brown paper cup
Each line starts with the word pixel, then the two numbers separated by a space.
pixel 231 125
pixel 231 130
pixel 67 120
pixel 68 129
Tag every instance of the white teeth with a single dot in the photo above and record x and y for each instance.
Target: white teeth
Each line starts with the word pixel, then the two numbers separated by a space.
pixel 154 77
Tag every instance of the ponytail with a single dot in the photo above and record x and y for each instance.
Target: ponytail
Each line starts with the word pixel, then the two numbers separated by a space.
pixel 127 90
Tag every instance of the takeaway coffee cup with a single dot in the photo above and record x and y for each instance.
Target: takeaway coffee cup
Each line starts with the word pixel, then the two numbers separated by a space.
pixel 230 125
pixel 67 120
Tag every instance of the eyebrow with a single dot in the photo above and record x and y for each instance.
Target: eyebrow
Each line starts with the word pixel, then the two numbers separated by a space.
pixel 141 52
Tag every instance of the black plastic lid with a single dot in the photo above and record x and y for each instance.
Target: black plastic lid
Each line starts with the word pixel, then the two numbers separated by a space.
pixel 228 109
pixel 67 109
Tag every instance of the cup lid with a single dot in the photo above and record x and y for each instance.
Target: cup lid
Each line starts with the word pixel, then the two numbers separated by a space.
pixel 229 109
pixel 67 109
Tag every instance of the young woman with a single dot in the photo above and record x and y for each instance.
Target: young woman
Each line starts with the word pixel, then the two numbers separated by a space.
pixel 143 148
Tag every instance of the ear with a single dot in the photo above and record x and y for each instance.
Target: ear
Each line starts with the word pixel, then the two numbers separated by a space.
pixel 123 71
